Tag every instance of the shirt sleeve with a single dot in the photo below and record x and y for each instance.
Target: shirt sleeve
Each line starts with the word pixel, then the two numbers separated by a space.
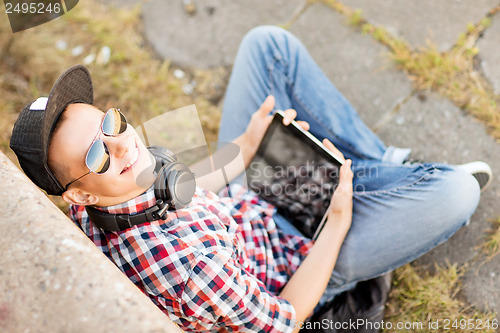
pixel 221 294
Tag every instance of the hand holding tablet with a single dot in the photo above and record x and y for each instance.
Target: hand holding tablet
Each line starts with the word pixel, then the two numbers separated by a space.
pixel 295 172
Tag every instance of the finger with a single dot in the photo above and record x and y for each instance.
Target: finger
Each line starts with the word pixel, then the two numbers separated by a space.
pixel 304 124
pixel 346 172
pixel 267 106
pixel 329 145
pixel 345 181
pixel 290 115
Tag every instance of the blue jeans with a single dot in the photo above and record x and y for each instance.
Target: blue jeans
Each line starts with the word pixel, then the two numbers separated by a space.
pixel 399 211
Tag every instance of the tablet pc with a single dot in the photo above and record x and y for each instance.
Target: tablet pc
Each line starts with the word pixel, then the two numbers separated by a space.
pixel 296 173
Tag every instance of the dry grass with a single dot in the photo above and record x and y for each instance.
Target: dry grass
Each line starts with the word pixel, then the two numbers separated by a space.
pixel 451 74
pixel 134 80
pixel 422 297
pixel 143 86
pixel 491 248
pixel 140 84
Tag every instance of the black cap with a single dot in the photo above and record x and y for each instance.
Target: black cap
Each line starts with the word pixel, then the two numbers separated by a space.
pixel 33 129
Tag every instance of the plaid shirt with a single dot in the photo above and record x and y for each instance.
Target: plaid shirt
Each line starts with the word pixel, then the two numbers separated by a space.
pixel 218 263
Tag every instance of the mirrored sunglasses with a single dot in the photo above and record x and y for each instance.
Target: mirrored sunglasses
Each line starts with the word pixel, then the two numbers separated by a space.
pixel 97 159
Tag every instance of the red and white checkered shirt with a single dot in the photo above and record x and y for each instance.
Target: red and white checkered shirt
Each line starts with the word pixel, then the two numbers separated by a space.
pixel 218 263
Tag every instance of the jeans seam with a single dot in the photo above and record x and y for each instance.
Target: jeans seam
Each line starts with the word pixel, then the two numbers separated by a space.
pixel 364 193
pixel 270 71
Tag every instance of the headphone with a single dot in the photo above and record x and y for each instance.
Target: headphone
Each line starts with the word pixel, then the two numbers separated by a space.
pixel 174 188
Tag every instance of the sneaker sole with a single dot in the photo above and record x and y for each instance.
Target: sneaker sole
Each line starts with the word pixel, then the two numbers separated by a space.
pixel 481 171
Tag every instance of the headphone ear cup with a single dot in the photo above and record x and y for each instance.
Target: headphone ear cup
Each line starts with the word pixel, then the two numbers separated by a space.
pixel 175 184
pixel 162 156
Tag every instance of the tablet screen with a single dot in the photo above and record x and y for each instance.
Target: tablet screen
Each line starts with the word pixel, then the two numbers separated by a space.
pixel 293 171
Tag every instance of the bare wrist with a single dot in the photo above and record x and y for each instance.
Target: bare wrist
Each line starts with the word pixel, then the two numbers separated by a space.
pixel 339 223
pixel 247 148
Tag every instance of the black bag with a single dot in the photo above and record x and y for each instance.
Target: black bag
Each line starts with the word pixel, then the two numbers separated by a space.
pixel 363 304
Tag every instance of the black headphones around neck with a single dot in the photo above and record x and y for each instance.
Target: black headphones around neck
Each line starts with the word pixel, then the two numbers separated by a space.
pixel 174 188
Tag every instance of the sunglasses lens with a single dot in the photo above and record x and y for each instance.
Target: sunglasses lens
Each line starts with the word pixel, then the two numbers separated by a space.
pixel 114 122
pixel 98 157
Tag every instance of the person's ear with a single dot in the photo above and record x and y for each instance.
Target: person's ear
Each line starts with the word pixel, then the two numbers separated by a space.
pixel 76 196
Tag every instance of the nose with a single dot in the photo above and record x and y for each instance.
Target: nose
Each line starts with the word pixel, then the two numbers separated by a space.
pixel 119 145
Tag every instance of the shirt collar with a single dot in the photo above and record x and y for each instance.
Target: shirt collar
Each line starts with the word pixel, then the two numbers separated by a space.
pixel 132 206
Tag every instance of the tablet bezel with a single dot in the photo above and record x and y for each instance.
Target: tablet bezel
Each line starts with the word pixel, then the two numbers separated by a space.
pixel 304 136
pixel 297 130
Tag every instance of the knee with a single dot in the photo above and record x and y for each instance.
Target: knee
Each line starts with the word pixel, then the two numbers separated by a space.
pixel 459 193
pixel 266 35
pixel 263 32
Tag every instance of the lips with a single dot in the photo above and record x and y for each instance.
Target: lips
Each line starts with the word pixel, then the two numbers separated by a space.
pixel 133 159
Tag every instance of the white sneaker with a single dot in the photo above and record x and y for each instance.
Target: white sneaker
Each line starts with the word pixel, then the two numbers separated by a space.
pixel 481 171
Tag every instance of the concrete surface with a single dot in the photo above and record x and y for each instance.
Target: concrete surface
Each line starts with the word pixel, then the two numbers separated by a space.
pixel 420 21
pixel 53 278
pixel 464 140
pixel 357 64
pixel 211 35
pixel 489 55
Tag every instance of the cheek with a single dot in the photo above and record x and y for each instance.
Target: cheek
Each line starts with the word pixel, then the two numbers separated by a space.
pixel 64 168
pixel 144 174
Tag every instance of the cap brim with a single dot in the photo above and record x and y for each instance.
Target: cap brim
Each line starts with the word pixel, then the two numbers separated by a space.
pixel 73 86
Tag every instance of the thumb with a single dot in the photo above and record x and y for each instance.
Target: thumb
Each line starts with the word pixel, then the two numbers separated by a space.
pixel 346 175
pixel 267 106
